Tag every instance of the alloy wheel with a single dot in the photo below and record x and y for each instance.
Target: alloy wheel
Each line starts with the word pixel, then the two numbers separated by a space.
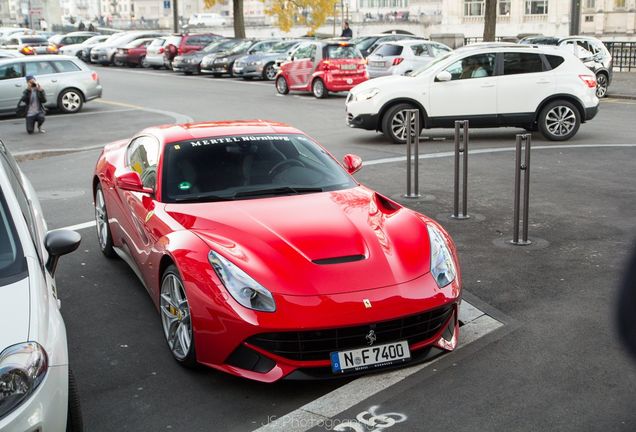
pixel 319 88
pixel 175 316
pixel 101 221
pixel 399 124
pixel 560 120
pixel 601 85
pixel 71 101
pixel 270 72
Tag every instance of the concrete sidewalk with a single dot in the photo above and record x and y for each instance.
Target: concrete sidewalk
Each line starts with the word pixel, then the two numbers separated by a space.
pixel 623 85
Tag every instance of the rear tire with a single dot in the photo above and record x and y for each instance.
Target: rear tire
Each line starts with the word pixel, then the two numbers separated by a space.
pixel 104 236
pixel 74 421
pixel 601 85
pixel 70 101
pixel 318 89
pixel 394 123
pixel 281 85
pixel 559 120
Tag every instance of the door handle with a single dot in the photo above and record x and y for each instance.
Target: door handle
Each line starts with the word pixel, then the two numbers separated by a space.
pixel 544 82
pixel 487 85
pixel 18 85
pixel 53 81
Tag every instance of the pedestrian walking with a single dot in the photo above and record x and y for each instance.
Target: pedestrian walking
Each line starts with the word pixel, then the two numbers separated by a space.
pixel 44 26
pixel 32 105
pixel 346 31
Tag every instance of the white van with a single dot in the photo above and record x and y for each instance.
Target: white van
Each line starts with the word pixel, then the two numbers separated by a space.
pixel 207 20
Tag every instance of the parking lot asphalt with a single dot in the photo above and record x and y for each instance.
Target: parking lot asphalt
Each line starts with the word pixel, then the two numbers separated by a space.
pixel 557 366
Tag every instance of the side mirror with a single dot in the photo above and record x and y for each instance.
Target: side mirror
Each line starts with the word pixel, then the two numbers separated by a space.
pixel 352 163
pixel 251 52
pixel 58 243
pixel 131 181
pixel 443 76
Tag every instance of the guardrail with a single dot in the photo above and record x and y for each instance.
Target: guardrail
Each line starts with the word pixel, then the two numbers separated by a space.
pixel 623 55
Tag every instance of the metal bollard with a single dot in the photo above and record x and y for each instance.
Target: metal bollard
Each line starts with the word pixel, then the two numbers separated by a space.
pixel 525 167
pixel 412 140
pixel 461 127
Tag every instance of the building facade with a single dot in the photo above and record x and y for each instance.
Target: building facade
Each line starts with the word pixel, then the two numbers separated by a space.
pixel 514 17
pixel 608 18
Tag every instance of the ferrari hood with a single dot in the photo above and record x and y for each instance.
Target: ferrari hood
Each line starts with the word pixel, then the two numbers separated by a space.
pixel 319 243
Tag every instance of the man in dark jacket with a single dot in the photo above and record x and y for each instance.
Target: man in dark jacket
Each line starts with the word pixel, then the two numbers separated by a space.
pixel 346 31
pixel 32 103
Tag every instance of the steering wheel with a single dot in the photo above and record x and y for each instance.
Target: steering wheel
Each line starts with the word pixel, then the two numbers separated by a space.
pixel 282 163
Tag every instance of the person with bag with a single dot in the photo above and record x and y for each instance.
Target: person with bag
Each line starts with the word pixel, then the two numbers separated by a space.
pixel 31 105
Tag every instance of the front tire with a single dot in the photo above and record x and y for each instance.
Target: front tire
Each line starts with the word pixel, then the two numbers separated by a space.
pixel 104 236
pixel 70 101
pixel 394 123
pixel 74 421
pixel 318 89
pixel 176 319
pixel 281 85
pixel 601 85
pixel 559 120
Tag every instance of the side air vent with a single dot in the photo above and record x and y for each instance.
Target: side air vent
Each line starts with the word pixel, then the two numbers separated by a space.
pixel 339 260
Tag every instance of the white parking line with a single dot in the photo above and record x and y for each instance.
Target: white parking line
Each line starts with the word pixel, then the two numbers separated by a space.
pixel 201 78
pixel 80 114
pixel 318 411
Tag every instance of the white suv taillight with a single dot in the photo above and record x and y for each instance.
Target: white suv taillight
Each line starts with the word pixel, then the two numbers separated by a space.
pixel 589 80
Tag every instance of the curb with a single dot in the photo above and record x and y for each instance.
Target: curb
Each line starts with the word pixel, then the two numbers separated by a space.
pixel 621 96
pixel 39 154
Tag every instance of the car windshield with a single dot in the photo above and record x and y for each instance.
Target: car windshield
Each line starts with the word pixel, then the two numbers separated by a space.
pixel 342 52
pixel 220 45
pixel 173 40
pixel 431 64
pixel 56 39
pixel 32 40
pixel 242 46
pixel 94 39
pixel 248 166
pixel 282 47
pixel 12 263
pixel 363 42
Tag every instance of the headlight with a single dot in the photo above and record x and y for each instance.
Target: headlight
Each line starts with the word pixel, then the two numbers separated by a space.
pixel 367 94
pixel 22 369
pixel 241 286
pixel 442 265
pixel 221 60
pixel 256 63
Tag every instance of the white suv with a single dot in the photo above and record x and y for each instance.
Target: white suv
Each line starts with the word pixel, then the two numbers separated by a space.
pixel 490 85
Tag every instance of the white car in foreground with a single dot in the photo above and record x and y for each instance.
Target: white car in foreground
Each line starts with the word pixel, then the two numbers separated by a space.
pixel 491 85
pixel 37 390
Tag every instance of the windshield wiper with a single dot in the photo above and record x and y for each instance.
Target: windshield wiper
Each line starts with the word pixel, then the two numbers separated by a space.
pixel 202 198
pixel 285 190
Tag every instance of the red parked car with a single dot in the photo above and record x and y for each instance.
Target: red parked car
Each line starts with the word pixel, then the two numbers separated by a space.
pixel 322 67
pixel 133 54
pixel 182 44
pixel 266 259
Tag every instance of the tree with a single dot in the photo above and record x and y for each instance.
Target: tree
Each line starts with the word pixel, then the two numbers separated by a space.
pixel 312 13
pixel 490 20
pixel 237 8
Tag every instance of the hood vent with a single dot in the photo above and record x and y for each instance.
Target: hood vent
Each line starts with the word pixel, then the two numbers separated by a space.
pixel 339 260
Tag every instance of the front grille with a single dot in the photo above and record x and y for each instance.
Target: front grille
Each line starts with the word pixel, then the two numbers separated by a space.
pixel 317 344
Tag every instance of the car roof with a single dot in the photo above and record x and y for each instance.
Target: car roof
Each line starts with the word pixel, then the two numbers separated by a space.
pixel 38 58
pixel 181 132
pixel 411 42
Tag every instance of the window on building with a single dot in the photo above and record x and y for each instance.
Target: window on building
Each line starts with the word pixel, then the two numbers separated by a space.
pixel 589 18
pixel 504 8
pixel 536 7
pixel 619 4
pixel 590 4
pixel 474 7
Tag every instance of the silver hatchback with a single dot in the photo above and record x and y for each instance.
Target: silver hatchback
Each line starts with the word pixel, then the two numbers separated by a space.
pixel 66 80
